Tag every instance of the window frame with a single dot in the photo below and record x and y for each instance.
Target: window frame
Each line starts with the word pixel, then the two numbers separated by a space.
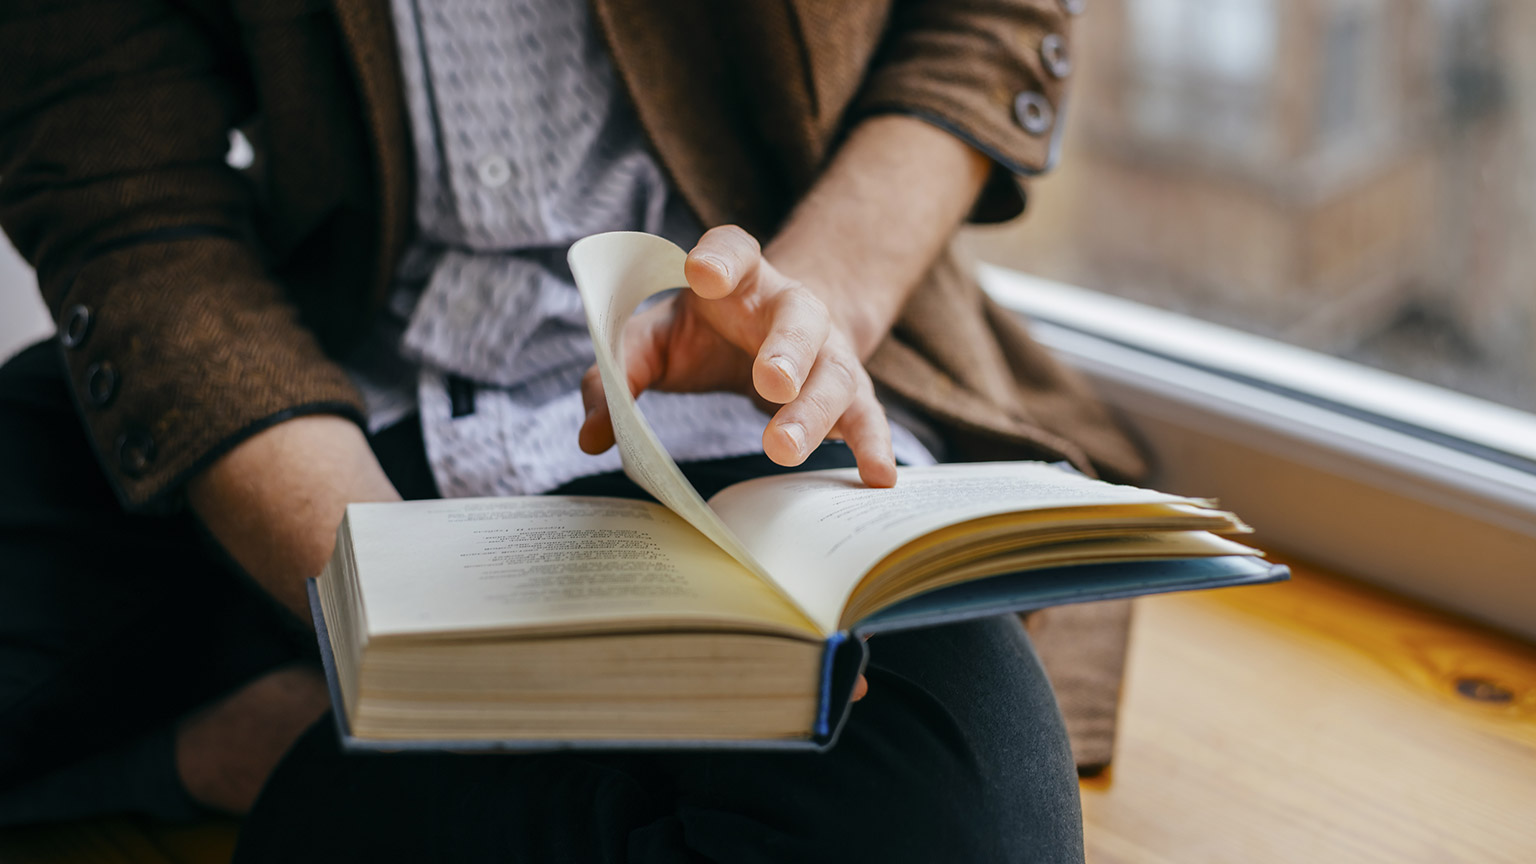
pixel 1422 490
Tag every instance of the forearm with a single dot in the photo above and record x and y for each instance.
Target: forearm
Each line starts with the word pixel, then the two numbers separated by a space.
pixel 275 500
pixel 877 219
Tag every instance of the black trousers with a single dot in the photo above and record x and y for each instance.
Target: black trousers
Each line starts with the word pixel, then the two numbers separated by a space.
pixel 112 627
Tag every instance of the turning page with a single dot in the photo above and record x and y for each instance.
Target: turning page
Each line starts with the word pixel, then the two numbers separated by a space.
pixel 615 273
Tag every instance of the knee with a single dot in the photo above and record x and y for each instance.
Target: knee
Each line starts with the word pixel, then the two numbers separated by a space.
pixel 958 753
pixel 937 814
pixel 1006 793
pixel 911 780
pixel 974 747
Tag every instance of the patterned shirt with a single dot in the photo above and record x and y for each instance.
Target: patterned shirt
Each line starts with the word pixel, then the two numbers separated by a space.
pixel 524 143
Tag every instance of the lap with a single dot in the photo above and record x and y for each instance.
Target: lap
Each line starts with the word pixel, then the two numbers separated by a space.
pixel 112 623
pixel 956 754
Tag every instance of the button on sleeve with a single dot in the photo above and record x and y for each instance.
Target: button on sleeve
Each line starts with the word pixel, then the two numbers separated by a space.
pixel 135 452
pixel 1053 54
pixel 101 381
pixel 76 326
pixel 991 72
pixel 1034 112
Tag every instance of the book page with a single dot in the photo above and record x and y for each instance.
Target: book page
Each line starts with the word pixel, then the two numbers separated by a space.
pixel 615 272
pixel 549 563
pixel 818 532
pixel 1098 550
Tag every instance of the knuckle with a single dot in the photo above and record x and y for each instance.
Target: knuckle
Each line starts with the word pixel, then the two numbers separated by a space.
pixel 796 341
pixel 866 408
pixel 845 370
pixel 825 407
pixel 754 305
pixel 802 310
pixel 802 299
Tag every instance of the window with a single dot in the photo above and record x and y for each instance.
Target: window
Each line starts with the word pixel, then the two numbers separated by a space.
pixel 1356 177
pixel 1200 71
pixel 1257 203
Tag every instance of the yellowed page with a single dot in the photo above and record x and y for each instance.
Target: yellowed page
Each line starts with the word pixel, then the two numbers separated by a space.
pixel 615 272
pixel 549 563
pixel 1126 547
pixel 818 532
pixel 1016 530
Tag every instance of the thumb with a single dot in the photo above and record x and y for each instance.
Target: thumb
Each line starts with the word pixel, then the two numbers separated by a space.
pixel 596 433
pixel 644 360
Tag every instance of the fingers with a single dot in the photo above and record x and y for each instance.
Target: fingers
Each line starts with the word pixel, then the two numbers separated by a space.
pixel 837 394
pixel 867 432
pixel 596 434
pixel 726 257
pixel 644 363
pixel 802 424
pixel 860 689
pixel 771 330
pixel 796 335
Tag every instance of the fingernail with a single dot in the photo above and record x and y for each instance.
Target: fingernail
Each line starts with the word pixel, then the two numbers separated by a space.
pixel 712 263
pixel 796 435
pixel 783 365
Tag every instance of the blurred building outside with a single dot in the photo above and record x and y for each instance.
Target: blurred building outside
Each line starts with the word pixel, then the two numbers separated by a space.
pixel 1353 176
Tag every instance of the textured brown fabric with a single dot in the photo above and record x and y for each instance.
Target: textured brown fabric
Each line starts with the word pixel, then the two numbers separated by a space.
pixel 214 299
pixel 216 295
pixel 1083 649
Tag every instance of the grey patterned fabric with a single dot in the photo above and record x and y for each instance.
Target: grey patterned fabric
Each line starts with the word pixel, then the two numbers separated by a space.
pixel 524 143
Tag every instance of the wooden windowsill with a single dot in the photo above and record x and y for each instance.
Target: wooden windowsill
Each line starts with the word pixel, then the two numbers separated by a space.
pixel 1317 720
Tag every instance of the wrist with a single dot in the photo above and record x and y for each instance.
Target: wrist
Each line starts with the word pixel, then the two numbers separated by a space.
pixel 865 321
pixel 274 501
pixel 874 223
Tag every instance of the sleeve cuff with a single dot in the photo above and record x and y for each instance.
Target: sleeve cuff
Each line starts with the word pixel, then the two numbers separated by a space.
pixel 179 350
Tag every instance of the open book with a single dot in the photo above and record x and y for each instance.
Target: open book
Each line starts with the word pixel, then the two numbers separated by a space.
pixel 549 621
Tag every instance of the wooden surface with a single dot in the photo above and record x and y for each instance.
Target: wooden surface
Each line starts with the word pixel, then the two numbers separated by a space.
pixel 120 841
pixel 1315 721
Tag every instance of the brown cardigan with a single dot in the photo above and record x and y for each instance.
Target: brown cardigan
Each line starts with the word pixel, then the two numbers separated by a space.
pixel 198 304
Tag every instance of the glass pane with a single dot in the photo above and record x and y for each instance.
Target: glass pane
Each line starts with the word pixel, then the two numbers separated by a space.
pixel 1353 176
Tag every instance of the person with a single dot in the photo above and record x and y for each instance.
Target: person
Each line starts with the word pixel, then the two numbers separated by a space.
pixel 375 305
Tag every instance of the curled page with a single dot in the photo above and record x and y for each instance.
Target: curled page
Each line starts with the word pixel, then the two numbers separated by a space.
pixel 615 273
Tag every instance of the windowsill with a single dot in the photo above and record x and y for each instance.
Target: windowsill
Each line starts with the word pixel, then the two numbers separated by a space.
pixel 1411 486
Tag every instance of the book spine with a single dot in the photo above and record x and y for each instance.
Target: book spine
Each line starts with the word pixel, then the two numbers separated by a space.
pixel 828 658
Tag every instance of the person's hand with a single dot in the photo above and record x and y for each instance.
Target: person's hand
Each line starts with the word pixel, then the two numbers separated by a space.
pixel 748 328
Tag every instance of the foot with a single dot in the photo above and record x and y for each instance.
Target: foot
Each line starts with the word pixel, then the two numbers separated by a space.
pixel 225 752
